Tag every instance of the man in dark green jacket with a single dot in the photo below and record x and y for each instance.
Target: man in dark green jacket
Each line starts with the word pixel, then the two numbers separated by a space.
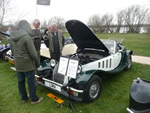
pixel 25 56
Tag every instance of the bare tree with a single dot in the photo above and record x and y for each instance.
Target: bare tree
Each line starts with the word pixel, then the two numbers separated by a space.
pixel 134 17
pixel 120 21
pixel 59 21
pixel 107 21
pixel 44 24
pixel 4 9
pixel 95 24
pixel 147 28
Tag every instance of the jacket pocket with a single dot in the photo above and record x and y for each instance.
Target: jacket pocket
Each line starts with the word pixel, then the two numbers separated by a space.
pixel 24 63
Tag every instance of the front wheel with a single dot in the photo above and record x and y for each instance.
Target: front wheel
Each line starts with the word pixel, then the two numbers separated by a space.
pixel 93 89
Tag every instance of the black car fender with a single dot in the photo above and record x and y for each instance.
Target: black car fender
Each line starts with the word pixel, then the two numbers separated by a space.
pixel 84 77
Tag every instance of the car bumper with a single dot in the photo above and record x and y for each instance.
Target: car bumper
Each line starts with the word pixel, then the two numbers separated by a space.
pixel 77 95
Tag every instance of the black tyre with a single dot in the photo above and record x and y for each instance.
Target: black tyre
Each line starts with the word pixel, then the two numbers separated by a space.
pixel 129 62
pixel 4 55
pixel 93 89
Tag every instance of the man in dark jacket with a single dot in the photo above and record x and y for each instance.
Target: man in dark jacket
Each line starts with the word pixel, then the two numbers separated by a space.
pixel 56 42
pixel 25 56
pixel 37 36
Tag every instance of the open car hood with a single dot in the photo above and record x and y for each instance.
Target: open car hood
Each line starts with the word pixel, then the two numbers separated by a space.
pixel 83 36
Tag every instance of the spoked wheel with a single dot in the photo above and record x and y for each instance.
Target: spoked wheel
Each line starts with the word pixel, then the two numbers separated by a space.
pixel 94 89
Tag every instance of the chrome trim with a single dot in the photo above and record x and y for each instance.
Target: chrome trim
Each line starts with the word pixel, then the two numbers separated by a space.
pixel 129 110
pixel 37 76
pixel 53 63
pixel 75 90
pixel 52 82
pixel 9 58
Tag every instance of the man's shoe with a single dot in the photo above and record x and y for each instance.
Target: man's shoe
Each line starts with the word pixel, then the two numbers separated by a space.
pixel 24 101
pixel 36 102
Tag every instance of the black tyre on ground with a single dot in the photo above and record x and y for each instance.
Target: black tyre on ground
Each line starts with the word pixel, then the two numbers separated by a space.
pixel 129 62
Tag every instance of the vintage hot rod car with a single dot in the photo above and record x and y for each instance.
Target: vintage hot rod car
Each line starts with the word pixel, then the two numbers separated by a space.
pixel 96 57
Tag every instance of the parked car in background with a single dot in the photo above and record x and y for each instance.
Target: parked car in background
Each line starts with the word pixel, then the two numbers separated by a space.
pixel 9 57
pixel 4 47
pixel 68 40
pixel 3 50
pixel 95 58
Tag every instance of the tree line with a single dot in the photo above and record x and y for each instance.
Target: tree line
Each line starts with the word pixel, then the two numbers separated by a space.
pixel 132 18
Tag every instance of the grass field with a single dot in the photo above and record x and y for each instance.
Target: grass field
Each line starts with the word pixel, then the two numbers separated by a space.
pixel 114 97
pixel 115 93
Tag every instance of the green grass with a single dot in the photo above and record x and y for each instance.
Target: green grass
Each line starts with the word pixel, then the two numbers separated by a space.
pixel 4 41
pixel 114 97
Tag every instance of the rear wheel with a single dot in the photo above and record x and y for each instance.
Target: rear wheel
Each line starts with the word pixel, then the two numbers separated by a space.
pixel 129 62
pixel 93 89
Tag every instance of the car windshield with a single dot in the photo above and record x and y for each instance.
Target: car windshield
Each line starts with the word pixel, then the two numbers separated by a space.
pixel 110 44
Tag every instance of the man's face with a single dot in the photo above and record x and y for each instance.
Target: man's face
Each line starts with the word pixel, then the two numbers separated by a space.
pixel 9 29
pixel 36 24
pixel 54 28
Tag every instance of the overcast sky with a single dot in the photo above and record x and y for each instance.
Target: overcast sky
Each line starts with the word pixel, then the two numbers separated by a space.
pixel 71 9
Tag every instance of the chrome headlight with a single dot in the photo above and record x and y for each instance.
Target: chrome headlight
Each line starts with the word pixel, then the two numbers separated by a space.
pixel 53 62
pixel 79 69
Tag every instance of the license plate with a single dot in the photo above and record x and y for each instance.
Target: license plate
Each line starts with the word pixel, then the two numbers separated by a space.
pixel 55 98
pixel 53 86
